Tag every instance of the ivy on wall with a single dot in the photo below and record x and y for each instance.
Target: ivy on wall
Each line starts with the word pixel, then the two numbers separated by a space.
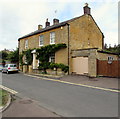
pixel 43 55
pixel 45 52
pixel 28 57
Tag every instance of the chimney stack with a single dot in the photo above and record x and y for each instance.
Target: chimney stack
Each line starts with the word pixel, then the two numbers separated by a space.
pixel 86 9
pixel 47 23
pixel 55 21
pixel 40 27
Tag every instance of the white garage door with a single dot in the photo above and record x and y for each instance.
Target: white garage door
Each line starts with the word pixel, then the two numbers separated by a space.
pixel 80 65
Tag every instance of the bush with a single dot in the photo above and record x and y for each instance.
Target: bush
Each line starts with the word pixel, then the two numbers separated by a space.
pixel 44 66
pixel 61 66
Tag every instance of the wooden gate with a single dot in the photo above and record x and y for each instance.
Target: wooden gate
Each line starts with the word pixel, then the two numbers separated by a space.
pixel 106 69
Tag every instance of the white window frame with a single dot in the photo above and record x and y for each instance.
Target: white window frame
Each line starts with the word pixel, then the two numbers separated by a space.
pixel 51 58
pixel 26 44
pixel 52 37
pixel 41 38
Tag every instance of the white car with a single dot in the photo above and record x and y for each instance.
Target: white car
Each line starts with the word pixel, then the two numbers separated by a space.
pixel 10 68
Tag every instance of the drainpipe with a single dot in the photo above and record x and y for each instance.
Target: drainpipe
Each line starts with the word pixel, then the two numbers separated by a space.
pixel 68 25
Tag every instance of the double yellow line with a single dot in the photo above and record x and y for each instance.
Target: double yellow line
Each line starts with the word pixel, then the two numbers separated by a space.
pixel 8 89
pixel 65 82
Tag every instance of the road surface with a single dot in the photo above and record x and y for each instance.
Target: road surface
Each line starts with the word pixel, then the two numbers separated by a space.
pixel 64 99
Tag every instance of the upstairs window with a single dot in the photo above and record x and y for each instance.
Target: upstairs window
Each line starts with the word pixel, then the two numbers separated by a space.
pixel 41 40
pixel 52 38
pixel 26 44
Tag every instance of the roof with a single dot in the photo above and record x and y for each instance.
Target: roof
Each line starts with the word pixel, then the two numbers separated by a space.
pixel 107 52
pixel 43 30
pixel 54 26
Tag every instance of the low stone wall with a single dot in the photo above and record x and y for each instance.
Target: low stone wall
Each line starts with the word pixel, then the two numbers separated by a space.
pixel 59 72
pixel 21 68
pixel 29 69
pixel 25 68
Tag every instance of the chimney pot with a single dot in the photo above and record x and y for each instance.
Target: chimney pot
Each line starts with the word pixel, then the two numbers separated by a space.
pixel 47 23
pixel 87 9
pixel 55 21
pixel 40 27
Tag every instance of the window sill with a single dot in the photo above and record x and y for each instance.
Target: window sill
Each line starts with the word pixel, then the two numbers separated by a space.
pixel 41 45
pixel 52 43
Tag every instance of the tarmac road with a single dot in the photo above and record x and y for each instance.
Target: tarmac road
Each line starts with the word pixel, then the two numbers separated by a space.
pixel 64 99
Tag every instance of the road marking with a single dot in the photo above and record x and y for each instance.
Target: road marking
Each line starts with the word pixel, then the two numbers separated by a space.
pixel 83 85
pixel 8 89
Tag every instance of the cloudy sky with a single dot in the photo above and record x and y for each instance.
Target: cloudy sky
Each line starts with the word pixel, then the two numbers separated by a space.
pixel 20 17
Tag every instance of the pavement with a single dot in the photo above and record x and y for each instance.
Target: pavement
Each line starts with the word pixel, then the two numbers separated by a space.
pixel 103 82
pixel 21 107
pixel 25 107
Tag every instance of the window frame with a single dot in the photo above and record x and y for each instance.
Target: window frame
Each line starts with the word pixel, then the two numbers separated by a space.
pixel 52 37
pixel 41 37
pixel 26 43
pixel 52 58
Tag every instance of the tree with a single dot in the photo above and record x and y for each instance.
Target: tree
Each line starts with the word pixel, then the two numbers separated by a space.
pixel 14 56
pixel 115 49
pixel 105 46
pixel 3 55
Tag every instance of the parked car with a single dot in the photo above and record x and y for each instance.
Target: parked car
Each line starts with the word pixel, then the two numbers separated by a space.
pixel 10 68
pixel 1 67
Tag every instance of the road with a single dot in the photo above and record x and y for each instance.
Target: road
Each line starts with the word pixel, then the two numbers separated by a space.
pixel 64 99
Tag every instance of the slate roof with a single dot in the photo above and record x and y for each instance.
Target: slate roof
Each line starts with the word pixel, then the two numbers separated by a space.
pixel 53 27
pixel 107 52
pixel 49 28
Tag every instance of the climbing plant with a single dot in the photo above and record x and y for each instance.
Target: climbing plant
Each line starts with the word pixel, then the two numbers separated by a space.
pixel 28 57
pixel 45 52
pixel 21 59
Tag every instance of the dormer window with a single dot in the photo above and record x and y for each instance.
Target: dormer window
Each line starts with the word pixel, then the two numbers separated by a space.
pixel 52 38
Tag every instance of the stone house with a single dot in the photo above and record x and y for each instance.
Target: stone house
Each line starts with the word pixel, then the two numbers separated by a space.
pixel 82 36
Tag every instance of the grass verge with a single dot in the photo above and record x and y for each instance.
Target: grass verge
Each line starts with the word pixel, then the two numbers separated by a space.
pixel 3 97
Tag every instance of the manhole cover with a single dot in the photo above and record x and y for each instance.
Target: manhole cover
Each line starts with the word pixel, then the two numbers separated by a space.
pixel 25 101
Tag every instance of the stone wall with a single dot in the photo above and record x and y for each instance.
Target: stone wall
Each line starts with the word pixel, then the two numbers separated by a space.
pixel 83 33
pixel 91 54
pixel 104 56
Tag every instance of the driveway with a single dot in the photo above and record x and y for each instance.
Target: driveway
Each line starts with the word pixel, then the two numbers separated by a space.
pixel 64 99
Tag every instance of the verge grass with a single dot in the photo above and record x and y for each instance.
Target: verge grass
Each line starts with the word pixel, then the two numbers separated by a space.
pixel 3 97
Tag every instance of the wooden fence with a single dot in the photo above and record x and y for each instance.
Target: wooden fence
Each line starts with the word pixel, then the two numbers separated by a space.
pixel 106 69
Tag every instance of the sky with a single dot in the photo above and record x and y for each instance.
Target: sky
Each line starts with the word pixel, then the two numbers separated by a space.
pixel 20 17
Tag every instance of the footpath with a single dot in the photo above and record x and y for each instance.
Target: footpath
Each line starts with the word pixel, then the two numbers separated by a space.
pixel 25 107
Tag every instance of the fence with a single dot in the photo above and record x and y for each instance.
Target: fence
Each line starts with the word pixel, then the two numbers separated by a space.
pixel 106 69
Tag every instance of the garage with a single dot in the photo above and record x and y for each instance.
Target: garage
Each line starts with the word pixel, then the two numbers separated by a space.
pixel 80 65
